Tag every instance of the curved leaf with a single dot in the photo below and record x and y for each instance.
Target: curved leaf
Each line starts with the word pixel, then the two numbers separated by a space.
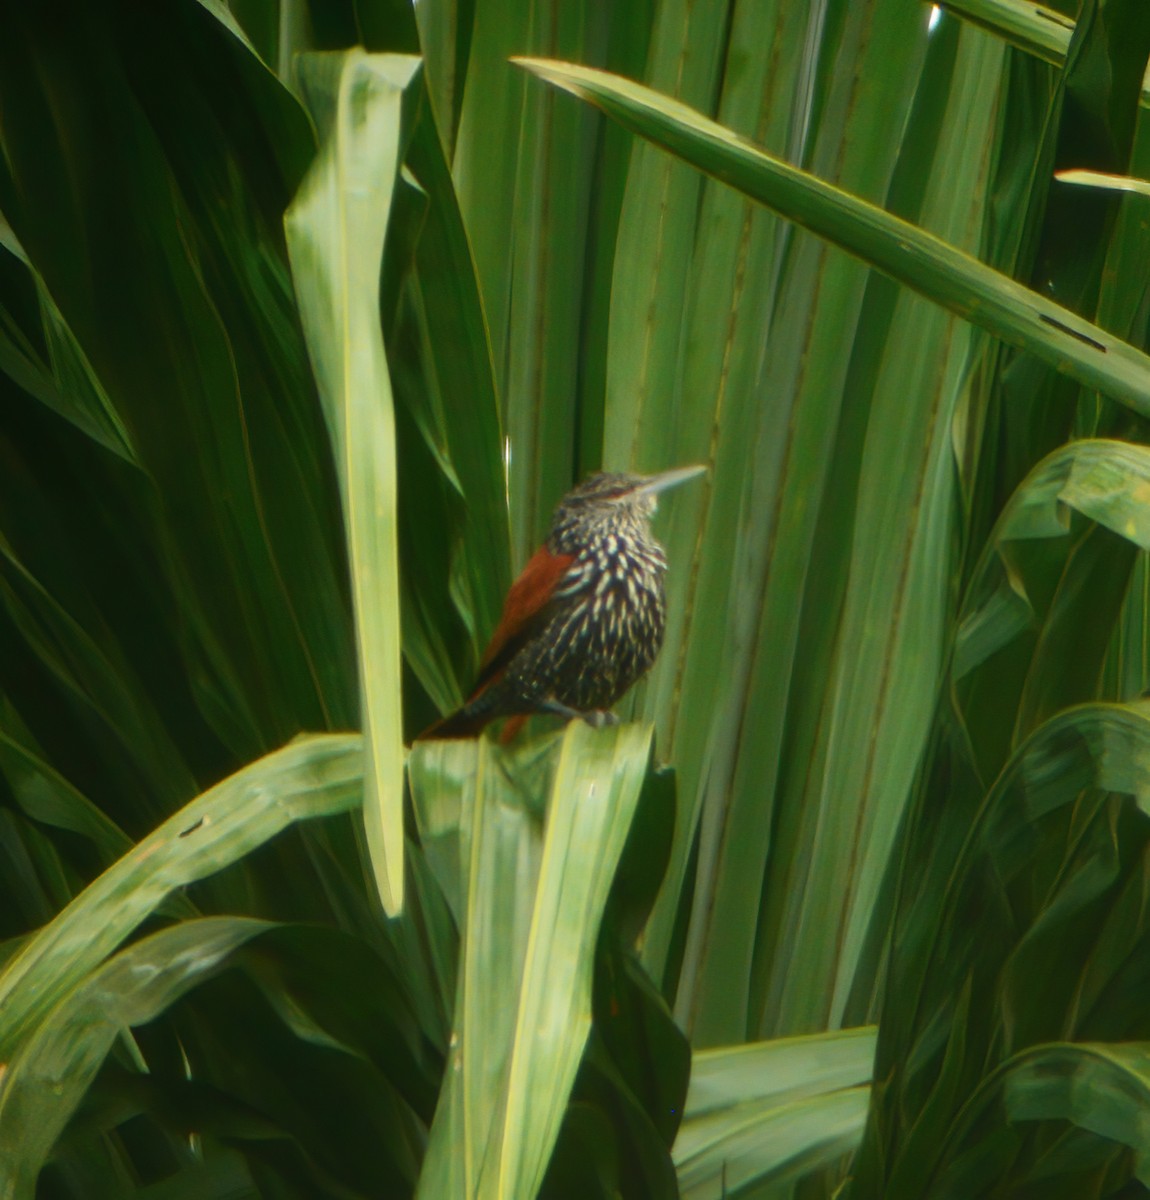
pixel 905 252
pixel 335 232
pixel 1105 480
pixel 312 777
pixel 1031 27
pixel 1101 1090
pixel 1026 935
pixel 47 1078
pixel 772 1111
pixel 533 836
pixel 66 380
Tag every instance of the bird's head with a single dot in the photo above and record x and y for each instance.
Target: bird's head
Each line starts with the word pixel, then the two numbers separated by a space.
pixel 611 500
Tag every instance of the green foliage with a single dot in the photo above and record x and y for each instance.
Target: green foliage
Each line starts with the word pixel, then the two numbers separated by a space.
pixel 769 1112
pixel 335 232
pixel 529 897
pixel 308 314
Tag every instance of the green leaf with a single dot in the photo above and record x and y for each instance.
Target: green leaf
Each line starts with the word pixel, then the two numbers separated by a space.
pixel 336 228
pixel 533 836
pixel 772 1111
pixel 46 796
pixel 1034 28
pixel 525 170
pixel 1024 935
pixel 1104 1089
pixel 780 1070
pixel 905 252
pixel 453 399
pixel 1105 181
pixel 1107 481
pixel 49 1074
pixel 316 776
pixel 66 382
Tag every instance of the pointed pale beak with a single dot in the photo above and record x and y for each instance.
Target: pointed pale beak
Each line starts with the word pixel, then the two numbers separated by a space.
pixel 667 479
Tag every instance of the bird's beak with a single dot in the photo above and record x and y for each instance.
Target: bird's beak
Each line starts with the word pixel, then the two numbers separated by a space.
pixel 654 484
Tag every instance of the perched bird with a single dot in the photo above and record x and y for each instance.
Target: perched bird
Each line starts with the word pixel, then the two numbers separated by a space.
pixel 586 618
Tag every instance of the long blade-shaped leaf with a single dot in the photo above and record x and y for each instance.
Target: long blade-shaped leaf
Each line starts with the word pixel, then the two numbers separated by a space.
pixel 1105 480
pixel 1104 181
pixel 969 985
pixel 771 1111
pixel 66 382
pixel 48 1077
pixel 535 891
pixel 908 254
pixel 1031 27
pixel 1102 1088
pixel 316 776
pixel 335 230
pixel 779 1070
pixel 1038 30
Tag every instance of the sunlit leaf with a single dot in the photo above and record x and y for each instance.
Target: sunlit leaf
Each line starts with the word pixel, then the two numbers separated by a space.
pixel 907 253
pixel 1100 179
pixel 1031 27
pixel 313 777
pixel 336 229
pixel 46 1079
pixel 539 832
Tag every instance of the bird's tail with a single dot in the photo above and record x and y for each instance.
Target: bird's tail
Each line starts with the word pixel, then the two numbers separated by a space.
pixel 468 722
pixel 463 723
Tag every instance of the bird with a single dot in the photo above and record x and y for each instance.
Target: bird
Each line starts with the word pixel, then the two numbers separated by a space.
pixel 585 620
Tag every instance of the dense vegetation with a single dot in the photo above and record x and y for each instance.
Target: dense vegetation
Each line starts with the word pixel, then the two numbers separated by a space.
pixel 309 312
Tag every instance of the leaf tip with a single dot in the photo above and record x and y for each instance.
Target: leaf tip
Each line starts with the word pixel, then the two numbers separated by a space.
pixel 550 71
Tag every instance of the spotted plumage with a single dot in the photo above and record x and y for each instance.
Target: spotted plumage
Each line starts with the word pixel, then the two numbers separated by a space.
pixel 586 618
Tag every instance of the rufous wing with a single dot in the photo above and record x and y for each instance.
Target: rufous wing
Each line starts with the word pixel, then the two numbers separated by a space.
pixel 524 612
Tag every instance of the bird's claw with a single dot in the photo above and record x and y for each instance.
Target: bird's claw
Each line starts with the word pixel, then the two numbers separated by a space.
pixel 597 718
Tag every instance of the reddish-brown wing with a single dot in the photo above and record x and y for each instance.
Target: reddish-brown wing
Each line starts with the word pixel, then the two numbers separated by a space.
pixel 524 611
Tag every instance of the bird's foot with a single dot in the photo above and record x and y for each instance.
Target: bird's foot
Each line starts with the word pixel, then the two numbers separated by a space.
pixel 597 718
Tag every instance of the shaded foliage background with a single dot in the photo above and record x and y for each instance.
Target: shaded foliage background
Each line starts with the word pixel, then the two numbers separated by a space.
pixel 900 691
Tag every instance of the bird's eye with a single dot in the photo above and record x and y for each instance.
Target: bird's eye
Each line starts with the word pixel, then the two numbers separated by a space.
pixel 619 493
